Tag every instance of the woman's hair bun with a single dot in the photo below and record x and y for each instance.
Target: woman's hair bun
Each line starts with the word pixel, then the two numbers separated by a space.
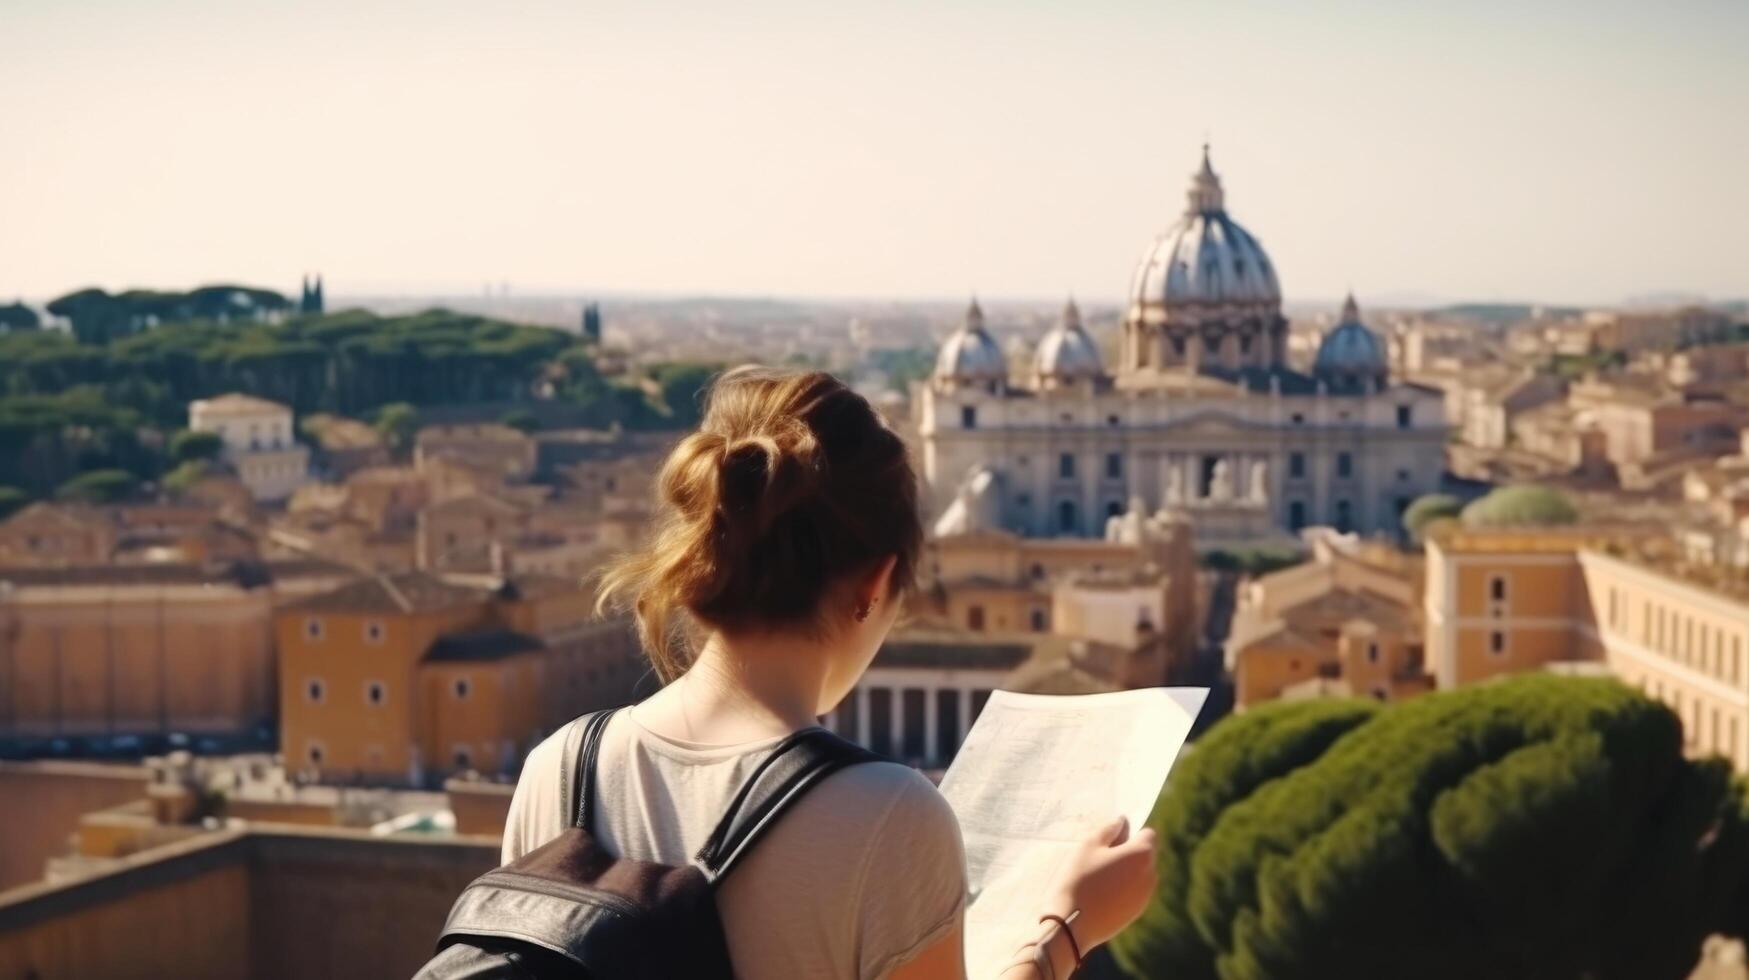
pixel 791 483
pixel 764 476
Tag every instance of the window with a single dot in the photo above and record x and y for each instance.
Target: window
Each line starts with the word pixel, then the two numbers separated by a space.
pixel 1067 519
pixel 1066 466
pixel 1037 571
pixel 1113 421
pixel 462 688
pixel 1299 418
pixel 1344 465
pixel 968 416
pixel 1402 476
pixel 1113 508
pixel 1296 465
pixel 463 758
pixel 315 690
pixel 1296 515
pixel 1114 466
pixel 373 631
pixel 1380 694
pixel 1497 643
pixel 375 693
pixel 1497 588
pixel 313 628
pixel 1244 345
pixel 1039 621
pixel 1405 416
pixel 914 705
pixel 947 724
pixel 1178 346
pixel 315 753
pixel 1372 653
pixel 1344 516
pixel 1210 344
pixel 975 618
pixel 880 720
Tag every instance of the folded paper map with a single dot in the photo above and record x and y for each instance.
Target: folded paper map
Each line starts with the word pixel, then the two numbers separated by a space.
pixel 1037 774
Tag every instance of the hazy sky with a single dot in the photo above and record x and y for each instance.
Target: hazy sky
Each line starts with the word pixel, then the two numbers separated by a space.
pixel 1580 150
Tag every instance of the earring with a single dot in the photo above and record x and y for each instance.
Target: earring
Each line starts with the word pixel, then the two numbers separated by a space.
pixel 863 610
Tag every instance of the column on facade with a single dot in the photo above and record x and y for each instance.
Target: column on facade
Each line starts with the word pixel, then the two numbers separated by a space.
pixel 931 723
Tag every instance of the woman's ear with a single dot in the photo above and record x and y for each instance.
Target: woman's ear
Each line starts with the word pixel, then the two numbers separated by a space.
pixel 877 585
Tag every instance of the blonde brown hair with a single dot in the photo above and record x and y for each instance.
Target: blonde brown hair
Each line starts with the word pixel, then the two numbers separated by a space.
pixel 791 483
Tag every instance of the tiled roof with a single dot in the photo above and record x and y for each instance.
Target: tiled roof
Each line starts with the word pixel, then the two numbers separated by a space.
pixel 245 574
pixel 399 592
pixel 479 645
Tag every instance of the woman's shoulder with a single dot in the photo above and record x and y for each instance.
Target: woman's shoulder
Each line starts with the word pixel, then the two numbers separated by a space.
pixel 886 798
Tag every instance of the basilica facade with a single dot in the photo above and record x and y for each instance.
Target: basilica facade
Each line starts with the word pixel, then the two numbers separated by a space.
pixel 1201 416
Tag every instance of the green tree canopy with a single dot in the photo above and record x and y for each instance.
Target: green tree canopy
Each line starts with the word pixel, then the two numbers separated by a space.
pixel 1429 508
pixel 188 445
pixel 1523 505
pixel 1543 827
pixel 17 316
pixel 12 500
pixel 99 487
pixel 522 420
pixel 682 385
pixel 398 423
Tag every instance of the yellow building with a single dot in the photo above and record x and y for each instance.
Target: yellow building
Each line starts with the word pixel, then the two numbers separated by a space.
pixel 1504 601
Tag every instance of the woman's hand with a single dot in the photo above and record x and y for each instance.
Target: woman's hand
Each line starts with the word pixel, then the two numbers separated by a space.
pixel 1109 879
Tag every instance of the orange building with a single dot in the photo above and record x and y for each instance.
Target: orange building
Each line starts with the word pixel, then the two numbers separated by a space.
pixel 103 650
pixel 1342 623
pixel 403 678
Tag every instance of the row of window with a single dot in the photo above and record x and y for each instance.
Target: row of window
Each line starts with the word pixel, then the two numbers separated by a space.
pixel 969 417
pixel 315 630
pixel 376 693
pixel 1689 640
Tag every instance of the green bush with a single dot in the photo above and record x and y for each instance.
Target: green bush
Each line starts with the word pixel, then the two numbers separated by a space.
pixel 1543 827
pixel 1524 505
pixel 1427 509
pixel 188 446
pixel 99 487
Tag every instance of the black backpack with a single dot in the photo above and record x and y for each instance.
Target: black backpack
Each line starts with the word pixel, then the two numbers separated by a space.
pixel 569 909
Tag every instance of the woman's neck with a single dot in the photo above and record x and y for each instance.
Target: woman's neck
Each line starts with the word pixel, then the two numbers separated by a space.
pixel 741 688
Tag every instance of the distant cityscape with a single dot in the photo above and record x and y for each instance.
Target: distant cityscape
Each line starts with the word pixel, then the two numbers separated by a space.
pixel 290 584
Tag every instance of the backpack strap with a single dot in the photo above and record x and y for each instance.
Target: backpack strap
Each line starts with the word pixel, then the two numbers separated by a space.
pixel 577 767
pixel 798 764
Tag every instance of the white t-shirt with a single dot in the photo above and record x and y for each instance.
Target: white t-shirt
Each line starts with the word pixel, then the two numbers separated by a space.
pixel 862 874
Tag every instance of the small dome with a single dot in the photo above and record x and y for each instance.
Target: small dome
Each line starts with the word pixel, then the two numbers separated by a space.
pixel 1206 258
pixel 1067 352
pixel 969 353
pixel 1525 505
pixel 1351 356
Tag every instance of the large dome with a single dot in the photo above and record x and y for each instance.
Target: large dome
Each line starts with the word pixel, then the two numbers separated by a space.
pixel 969 354
pixel 1351 355
pixel 1206 258
pixel 1067 352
